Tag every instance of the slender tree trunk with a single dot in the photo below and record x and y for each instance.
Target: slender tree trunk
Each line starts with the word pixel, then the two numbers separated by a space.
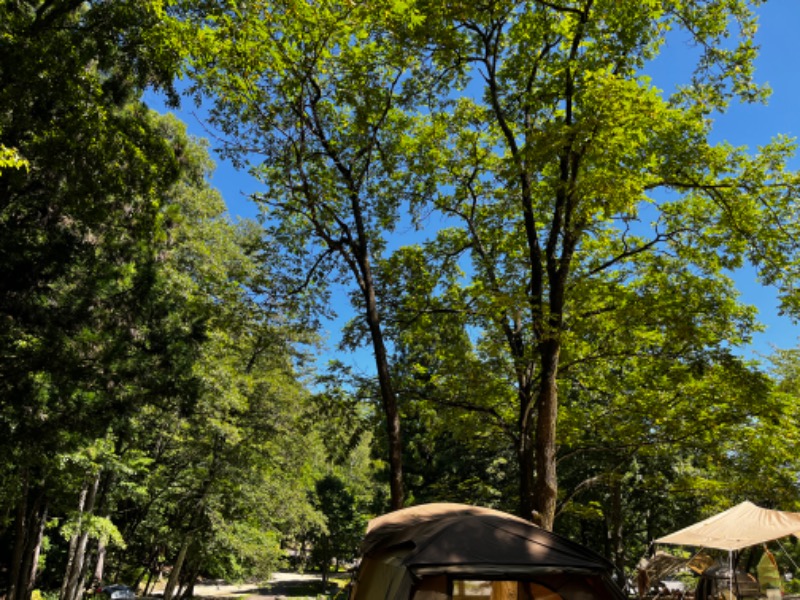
pixel 388 396
pixel 174 576
pixel 33 568
pixel 71 588
pixel 147 589
pixel 190 580
pixel 101 562
pixel 153 571
pixel 392 413
pixel 73 544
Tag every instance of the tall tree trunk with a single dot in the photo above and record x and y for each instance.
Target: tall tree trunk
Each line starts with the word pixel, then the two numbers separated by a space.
pixel 147 588
pixel 363 272
pixel 615 525
pixel 175 574
pixel 29 533
pixel 101 562
pixel 390 409
pixel 189 582
pixel 73 544
pixel 546 484
pixel 33 567
pixel 17 586
pixel 71 589
pixel 153 571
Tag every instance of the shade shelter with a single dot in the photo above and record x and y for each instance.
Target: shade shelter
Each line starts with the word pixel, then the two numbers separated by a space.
pixel 737 528
pixel 456 551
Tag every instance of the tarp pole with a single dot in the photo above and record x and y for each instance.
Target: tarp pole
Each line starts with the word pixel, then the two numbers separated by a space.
pixel 730 574
pixel 789 556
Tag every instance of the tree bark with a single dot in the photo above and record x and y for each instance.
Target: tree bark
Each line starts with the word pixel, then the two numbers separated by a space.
pixel 189 581
pixel 389 401
pixel 33 567
pixel 175 574
pixel 17 584
pixel 546 485
pixel 73 544
pixel 147 588
pixel 615 526
pixel 153 570
pixel 363 271
pixel 101 562
pixel 71 588
pixel 29 533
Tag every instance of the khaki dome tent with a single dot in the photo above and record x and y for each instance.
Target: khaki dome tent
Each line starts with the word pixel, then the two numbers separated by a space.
pixel 459 552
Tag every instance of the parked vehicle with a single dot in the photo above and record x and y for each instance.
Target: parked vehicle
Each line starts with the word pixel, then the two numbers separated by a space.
pixel 116 591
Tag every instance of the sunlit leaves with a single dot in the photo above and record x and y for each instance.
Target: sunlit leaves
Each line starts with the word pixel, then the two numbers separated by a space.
pixel 11 159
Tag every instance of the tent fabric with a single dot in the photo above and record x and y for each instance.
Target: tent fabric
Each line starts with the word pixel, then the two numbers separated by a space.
pixel 388 575
pixel 463 538
pixel 769 576
pixel 468 542
pixel 739 527
pixel 404 526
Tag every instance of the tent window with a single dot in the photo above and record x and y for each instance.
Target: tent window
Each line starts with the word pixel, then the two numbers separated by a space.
pixel 501 590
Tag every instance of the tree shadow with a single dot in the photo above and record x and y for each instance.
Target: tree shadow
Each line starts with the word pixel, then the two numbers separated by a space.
pixel 298 588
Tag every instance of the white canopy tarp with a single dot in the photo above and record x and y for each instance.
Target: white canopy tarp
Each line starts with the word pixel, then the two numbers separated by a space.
pixel 739 527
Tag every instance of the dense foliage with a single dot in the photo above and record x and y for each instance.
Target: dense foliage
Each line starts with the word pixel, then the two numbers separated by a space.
pixel 151 412
pixel 536 244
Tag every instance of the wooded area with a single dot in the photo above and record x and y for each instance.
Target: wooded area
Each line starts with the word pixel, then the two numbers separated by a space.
pixel 561 336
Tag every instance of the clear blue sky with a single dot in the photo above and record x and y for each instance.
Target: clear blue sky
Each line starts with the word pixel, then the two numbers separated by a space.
pixel 754 125
pixel 749 125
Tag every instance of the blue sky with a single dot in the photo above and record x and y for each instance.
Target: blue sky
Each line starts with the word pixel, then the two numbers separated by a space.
pixel 749 125
pixel 754 125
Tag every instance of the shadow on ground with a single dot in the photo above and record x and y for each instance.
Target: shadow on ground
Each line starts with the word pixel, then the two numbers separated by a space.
pixel 300 588
pixel 297 588
pixel 285 587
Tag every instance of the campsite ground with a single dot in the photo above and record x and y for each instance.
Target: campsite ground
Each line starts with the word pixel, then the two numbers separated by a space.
pixel 282 585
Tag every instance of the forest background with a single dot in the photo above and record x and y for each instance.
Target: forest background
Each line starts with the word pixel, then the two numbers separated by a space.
pixel 536 251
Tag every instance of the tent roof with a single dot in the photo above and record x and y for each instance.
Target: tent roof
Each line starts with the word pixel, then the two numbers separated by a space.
pixel 739 527
pixel 461 538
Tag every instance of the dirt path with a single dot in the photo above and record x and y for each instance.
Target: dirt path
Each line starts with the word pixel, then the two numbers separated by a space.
pixel 282 585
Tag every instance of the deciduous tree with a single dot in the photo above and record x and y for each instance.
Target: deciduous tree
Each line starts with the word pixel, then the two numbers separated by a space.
pixel 568 169
pixel 313 97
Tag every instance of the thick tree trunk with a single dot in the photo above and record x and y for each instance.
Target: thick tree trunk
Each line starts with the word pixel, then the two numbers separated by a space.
pixel 546 484
pixel 29 533
pixel 17 585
